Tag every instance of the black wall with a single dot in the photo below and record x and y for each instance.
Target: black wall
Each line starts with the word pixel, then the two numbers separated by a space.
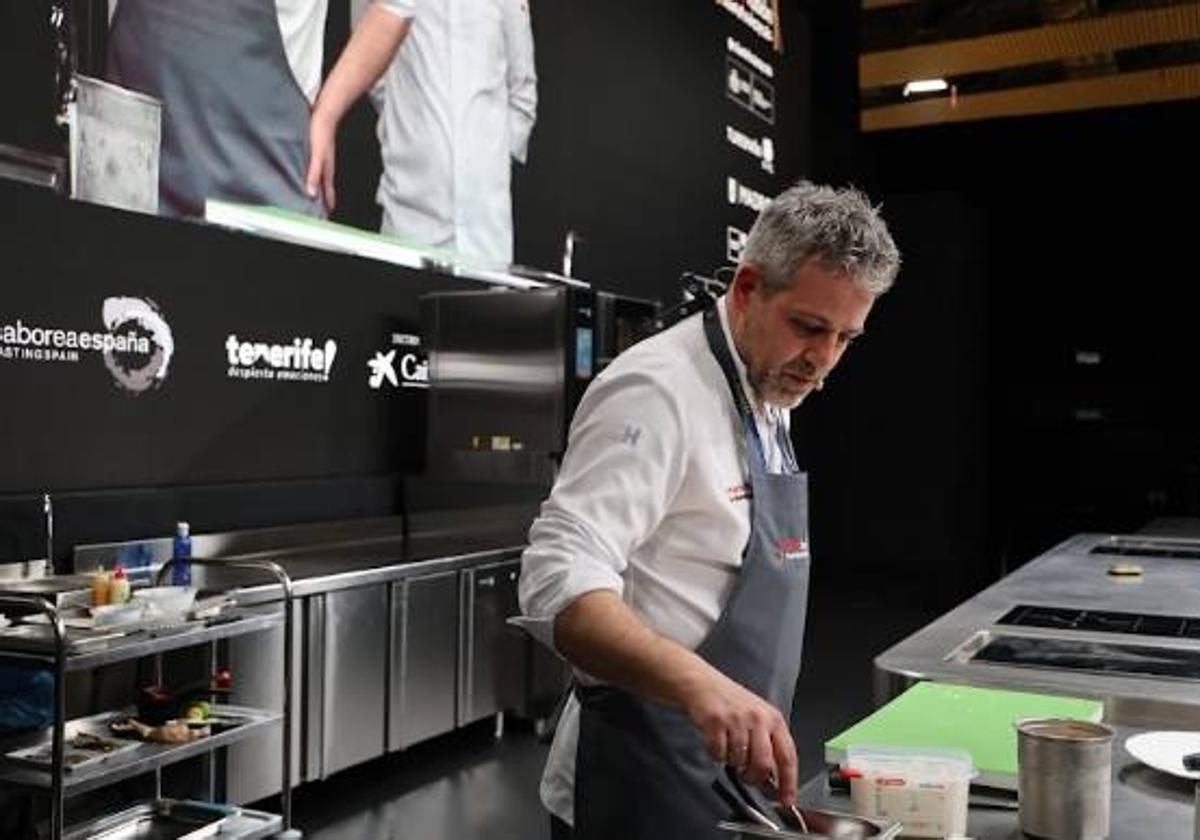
pixel 972 429
pixel 219 450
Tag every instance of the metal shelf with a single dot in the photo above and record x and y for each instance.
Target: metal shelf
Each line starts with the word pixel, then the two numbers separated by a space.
pixel 85 653
pixel 60 655
pixel 145 758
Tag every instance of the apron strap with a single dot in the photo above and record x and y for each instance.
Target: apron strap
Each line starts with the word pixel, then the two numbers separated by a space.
pixel 720 350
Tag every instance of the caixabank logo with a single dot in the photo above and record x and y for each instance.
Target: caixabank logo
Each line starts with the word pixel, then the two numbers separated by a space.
pixel 134 342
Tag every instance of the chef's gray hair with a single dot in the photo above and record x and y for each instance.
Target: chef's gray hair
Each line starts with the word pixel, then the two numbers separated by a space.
pixel 837 227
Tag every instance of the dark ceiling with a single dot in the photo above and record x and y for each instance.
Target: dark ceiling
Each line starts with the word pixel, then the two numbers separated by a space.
pixel 1004 58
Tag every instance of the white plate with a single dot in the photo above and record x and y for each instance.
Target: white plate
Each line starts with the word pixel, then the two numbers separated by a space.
pixel 1165 751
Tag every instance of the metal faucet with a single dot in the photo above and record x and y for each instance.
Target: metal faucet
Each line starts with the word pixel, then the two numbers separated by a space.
pixel 48 514
pixel 568 257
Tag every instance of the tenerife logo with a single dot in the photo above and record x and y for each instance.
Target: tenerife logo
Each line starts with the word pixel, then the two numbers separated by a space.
pixel 136 343
pixel 303 360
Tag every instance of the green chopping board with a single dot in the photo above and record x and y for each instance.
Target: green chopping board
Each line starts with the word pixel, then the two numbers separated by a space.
pixel 978 720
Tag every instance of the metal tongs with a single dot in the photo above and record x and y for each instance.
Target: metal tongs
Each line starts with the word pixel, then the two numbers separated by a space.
pixel 746 806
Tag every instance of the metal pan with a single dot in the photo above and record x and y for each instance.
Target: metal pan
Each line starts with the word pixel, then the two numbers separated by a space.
pixel 823 825
pixel 164 820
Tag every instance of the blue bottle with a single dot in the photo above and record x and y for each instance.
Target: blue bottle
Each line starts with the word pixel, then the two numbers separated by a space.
pixel 181 553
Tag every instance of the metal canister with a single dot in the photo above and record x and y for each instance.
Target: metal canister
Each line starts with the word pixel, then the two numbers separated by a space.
pixel 1064 780
pixel 1196 828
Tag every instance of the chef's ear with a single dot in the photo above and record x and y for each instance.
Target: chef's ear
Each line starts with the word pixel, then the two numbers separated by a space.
pixel 747 280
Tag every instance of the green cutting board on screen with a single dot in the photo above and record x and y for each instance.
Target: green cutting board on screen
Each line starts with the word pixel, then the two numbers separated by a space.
pixel 978 720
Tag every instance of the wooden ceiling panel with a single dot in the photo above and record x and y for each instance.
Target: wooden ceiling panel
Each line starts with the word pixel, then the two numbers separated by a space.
pixel 1157 85
pixel 1055 42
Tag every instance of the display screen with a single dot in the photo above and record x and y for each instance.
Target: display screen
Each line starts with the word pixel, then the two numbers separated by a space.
pixel 583 352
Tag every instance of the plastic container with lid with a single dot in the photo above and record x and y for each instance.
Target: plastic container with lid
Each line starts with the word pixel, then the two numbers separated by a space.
pixel 924 789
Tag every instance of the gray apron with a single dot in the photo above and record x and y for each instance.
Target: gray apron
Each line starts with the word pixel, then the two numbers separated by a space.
pixel 642 771
pixel 234 120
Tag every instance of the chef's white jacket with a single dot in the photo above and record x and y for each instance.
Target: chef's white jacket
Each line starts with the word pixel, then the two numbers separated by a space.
pixel 651 503
pixel 459 102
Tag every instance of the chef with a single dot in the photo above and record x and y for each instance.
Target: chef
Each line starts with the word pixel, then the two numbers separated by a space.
pixel 459 104
pixel 242 119
pixel 670 564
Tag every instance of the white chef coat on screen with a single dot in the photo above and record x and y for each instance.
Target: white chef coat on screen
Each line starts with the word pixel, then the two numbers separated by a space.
pixel 650 503
pixel 302 28
pixel 459 103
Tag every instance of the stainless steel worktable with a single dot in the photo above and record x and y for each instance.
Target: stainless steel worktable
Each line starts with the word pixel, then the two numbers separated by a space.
pixel 1071 575
pixel 1146 804
pixel 371 558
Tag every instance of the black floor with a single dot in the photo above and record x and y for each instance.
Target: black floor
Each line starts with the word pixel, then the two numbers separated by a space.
pixel 470 786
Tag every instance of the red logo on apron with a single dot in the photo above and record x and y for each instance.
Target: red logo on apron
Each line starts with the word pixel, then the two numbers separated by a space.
pixel 791 550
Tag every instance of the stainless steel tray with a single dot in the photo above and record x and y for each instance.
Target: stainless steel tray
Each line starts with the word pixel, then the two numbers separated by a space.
pixel 164 820
pixel 59 590
pixel 39 638
pixel 221 821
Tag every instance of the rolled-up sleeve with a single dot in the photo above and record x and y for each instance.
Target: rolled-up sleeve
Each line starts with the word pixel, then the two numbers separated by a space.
pixel 623 466
pixel 403 8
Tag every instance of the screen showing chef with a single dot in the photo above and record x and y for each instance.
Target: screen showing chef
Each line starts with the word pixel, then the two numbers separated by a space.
pixel 246 116
pixel 457 106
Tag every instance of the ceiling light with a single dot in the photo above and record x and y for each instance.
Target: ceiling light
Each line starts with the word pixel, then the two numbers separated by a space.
pixel 925 86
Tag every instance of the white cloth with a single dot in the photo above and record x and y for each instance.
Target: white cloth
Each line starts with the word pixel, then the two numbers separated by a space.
pixel 460 100
pixel 650 503
pixel 302 28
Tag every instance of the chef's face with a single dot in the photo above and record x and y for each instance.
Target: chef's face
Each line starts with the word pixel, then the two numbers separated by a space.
pixel 791 339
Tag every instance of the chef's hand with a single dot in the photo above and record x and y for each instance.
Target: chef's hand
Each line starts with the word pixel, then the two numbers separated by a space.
pixel 601 635
pixel 322 142
pixel 745 731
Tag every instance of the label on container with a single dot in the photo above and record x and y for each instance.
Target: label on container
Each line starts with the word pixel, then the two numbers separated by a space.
pixel 920 808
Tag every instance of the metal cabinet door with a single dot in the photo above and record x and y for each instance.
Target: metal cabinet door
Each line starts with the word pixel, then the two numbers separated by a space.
pixel 354 678
pixel 493 661
pixel 251 768
pixel 424 658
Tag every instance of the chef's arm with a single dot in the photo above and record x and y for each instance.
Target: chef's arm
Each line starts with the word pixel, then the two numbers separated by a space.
pixel 367 54
pixel 602 636
pixel 521 77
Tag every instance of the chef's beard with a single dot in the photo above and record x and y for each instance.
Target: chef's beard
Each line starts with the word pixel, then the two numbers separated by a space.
pixel 768 385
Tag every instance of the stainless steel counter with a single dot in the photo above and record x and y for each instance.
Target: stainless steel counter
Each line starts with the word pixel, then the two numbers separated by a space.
pixel 1146 804
pixel 324 571
pixel 343 555
pixel 1071 575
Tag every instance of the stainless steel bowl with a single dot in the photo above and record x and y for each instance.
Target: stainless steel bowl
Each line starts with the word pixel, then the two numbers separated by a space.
pixel 823 825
